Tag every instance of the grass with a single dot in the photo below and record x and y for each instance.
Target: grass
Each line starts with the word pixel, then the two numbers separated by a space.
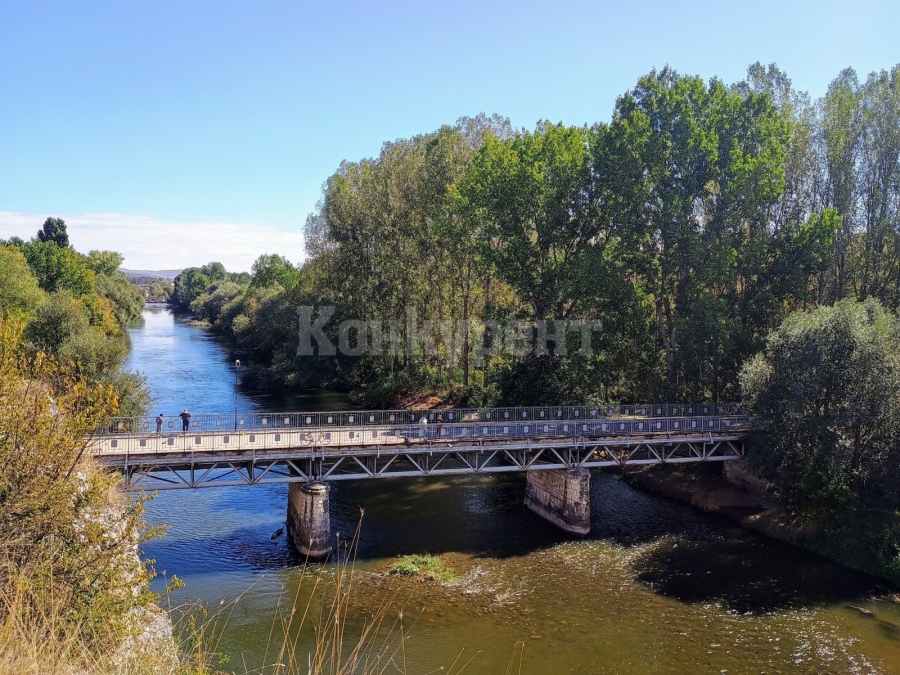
pixel 427 566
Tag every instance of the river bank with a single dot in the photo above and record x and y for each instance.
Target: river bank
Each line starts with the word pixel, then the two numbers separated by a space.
pixel 863 540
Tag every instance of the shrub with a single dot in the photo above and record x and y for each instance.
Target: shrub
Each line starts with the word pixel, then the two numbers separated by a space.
pixel 825 397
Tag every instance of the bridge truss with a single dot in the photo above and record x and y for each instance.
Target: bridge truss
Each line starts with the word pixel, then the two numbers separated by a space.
pixel 170 468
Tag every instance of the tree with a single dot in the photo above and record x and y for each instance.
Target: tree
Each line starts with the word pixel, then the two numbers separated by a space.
pixel 269 270
pixel 691 173
pixel 825 396
pixel 126 300
pixel 56 322
pixel 841 126
pixel 19 290
pixel 54 229
pixel 104 262
pixel 527 197
pixel 193 281
pixel 58 268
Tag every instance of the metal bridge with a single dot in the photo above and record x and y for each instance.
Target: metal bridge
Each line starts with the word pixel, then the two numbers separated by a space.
pixel 258 448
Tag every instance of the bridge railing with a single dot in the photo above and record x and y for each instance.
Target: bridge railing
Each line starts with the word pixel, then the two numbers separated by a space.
pixel 354 418
pixel 461 435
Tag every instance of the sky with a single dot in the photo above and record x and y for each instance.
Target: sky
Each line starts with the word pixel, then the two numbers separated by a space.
pixel 183 132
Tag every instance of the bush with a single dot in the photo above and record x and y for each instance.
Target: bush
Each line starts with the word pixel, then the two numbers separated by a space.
pixel 825 398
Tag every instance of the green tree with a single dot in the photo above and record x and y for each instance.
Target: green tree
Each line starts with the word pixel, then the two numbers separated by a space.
pixel 124 297
pixel 54 229
pixel 193 281
pixel 841 128
pixel 825 396
pixel 271 269
pixel 104 262
pixel 56 322
pixel 527 197
pixel 19 290
pixel 691 173
pixel 58 268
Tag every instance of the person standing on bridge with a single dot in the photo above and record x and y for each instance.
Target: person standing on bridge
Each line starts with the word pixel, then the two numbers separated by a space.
pixel 439 425
pixel 185 420
pixel 159 423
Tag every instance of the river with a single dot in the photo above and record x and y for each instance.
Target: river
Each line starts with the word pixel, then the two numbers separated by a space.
pixel 657 587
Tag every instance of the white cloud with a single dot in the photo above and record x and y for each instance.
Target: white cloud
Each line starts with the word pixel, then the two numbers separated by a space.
pixel 151 244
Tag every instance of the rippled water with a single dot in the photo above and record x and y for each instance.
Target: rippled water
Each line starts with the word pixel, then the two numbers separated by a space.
pixel 657 586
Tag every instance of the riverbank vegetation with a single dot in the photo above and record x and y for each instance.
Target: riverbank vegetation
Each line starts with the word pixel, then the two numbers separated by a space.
pixel 825 400
pixel 75 307
pixel 686 228
pixel 71 582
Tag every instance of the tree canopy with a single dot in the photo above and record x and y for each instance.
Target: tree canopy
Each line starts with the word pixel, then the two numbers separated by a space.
pixel 826 395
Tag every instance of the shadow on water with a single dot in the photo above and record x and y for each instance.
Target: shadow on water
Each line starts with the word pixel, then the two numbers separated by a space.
pixel 747 576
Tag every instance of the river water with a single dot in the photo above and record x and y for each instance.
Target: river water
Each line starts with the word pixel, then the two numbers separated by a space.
pixel 657 587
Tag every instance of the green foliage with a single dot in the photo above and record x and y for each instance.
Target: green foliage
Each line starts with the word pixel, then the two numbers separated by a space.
pixel 210 304
pixel 56 321
pixel 104 262
pixel 57 268
pixel 825 395
pixel 62 327
pixel 124 297
pixel 537 228
pixel 19 290
pixel 687 228
pixel 76 305
pixel 269 270
pixel 160 288
pixel 428 567
pixel 547 380
pixel 54 230
pixel 194 281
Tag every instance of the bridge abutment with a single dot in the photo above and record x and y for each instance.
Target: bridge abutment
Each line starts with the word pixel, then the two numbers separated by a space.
pixel 562 496
pixel 309 519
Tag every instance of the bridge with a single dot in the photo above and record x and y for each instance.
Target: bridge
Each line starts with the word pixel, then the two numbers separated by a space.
pixel 556 446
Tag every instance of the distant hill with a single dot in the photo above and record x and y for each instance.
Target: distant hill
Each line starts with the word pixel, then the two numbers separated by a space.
pixel 134 275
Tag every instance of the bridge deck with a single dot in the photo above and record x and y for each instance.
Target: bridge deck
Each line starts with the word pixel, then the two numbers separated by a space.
pixel 201 458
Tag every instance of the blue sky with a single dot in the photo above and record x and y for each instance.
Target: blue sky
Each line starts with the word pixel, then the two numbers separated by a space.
pixel 183 132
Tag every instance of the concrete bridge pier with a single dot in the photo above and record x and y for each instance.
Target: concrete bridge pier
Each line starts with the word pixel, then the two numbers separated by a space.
pixel 562 496
pixel 309 519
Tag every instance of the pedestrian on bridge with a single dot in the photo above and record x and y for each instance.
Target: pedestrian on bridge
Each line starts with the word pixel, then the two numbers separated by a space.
pixel 185 420
pixel 159 423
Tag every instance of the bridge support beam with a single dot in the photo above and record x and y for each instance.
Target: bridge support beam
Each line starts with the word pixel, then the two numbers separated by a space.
pixel 562 496
pixel 309 519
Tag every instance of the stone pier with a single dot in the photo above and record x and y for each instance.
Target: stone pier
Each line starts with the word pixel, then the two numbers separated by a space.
pixel 309 519
pixel 562 496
